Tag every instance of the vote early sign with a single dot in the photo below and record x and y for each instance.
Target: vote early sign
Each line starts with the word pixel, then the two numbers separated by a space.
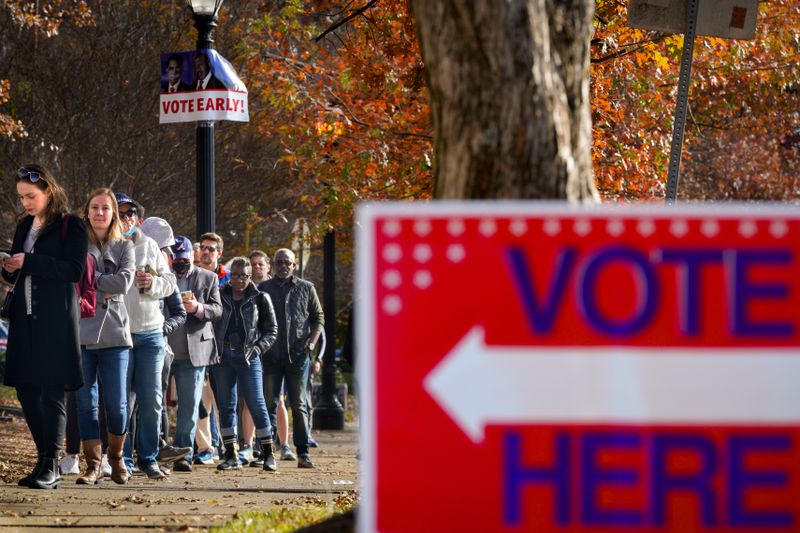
pixel 540 367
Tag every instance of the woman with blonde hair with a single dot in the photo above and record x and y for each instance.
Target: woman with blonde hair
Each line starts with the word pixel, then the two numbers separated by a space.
pixel 43 358
pixel 105 340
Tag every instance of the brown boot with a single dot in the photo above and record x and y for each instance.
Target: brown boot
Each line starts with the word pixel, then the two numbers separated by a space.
pixel 119 474
pixel 93 453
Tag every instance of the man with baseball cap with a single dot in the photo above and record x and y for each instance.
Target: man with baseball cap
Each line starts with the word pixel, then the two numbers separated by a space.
pixel 153 281
pixel 193 343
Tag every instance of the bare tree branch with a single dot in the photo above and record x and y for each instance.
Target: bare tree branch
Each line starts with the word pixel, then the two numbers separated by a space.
pixel 345 20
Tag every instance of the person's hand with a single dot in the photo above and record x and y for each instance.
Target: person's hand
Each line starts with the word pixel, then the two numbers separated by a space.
pixel 143 280
pixel 315 366
pixel 190 305
pixel 14 263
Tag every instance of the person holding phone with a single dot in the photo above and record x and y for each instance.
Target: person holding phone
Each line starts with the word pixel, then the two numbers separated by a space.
pixel 43 357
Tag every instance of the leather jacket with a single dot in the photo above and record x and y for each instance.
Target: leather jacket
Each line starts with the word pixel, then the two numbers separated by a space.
pixel 258 316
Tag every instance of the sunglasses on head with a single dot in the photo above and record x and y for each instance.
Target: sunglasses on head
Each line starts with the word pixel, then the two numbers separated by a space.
pixel 31 175
pixel 129 213
pixel 205 248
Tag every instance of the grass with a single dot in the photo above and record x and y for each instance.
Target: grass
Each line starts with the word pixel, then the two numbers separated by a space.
pixel 288 515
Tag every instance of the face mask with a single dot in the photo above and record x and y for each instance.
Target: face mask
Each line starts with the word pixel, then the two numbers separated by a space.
pixel 129 232
pixel 181 268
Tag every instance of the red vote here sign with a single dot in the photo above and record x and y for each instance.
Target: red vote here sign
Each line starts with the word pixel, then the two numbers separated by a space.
pixel 538 367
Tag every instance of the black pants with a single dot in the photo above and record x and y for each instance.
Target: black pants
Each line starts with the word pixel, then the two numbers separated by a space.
pixel 45 410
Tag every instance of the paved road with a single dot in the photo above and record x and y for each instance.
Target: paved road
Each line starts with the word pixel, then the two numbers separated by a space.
pixel 199 499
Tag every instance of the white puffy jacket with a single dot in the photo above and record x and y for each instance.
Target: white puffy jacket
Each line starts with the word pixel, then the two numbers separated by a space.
pixel 144 311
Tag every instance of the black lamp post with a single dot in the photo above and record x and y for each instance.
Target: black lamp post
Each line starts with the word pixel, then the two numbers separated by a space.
pixel 205 20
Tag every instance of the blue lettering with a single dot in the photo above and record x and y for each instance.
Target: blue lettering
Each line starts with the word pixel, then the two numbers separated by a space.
pixel 648 288
pixel 593 477
pixel 540 317
pixel 699 483
pixel 745 291
pixel 516 476
pixel 692 261
pixel 740 479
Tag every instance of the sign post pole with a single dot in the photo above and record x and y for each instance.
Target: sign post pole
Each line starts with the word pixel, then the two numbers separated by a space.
pixel 683 101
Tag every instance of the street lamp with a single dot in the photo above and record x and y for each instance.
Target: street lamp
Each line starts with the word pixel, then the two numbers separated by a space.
pixel 205 20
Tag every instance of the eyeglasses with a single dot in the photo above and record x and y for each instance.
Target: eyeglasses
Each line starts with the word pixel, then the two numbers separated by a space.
pixel 32 175
pixel 128 213
pixel 205 248
pixel 240 276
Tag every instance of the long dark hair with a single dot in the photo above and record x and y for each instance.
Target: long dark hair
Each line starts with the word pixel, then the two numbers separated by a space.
pixel 57 204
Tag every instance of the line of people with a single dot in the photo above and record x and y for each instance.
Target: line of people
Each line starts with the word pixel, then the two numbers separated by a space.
pixel 110 305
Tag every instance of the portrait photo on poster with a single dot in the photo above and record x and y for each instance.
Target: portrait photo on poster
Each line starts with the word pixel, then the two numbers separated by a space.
pixel 198 70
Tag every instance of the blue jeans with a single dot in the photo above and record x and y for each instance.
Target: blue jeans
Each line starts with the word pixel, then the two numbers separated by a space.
pixel 111 366
pixel 295 377
pixel 189 387
pixel 226 378
pixel 144 385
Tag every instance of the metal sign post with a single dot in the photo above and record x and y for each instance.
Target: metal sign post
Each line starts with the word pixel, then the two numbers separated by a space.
pixel 683 101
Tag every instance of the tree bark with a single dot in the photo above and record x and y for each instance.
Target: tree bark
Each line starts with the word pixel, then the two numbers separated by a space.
pixel 509 91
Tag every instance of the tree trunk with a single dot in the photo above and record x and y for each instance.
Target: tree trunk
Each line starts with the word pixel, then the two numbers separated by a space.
pixel 509 91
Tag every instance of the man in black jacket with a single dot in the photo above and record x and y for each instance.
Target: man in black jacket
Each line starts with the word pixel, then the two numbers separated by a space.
pixel 300 323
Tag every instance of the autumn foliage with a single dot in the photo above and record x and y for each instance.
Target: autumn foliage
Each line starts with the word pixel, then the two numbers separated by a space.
pixel 344 92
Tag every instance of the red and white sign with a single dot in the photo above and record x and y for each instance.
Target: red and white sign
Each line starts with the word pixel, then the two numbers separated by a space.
pixel 208 104
pixel 541 367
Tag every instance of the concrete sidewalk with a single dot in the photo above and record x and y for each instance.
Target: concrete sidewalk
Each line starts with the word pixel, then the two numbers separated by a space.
pixel 200 499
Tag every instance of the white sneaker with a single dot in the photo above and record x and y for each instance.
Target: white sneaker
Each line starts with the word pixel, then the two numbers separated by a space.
pixel 104 466
pixel 69 464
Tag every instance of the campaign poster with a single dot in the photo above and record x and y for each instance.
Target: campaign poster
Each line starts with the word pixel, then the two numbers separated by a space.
pixel 200 85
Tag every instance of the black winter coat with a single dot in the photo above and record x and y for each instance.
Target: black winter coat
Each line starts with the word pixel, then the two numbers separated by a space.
pixel 258 316
pixel 44 348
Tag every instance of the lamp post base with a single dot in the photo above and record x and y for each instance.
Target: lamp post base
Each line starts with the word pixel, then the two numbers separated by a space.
pixel 328 415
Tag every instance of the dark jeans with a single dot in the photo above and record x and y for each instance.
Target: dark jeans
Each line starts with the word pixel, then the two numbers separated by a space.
pixel 165 375
pixel 45 410
pixel 295 377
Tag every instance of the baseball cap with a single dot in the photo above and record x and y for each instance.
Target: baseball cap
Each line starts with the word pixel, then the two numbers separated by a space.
pixel 123 198
pixel 182 248
pixel 159 230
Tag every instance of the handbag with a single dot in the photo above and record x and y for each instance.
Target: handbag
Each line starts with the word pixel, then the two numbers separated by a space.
pixel 8 304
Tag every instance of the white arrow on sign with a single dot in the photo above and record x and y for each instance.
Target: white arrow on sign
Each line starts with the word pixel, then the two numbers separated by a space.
pixel 479 385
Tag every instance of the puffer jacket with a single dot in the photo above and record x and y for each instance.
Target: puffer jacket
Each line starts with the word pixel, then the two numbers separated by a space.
pixel 258 317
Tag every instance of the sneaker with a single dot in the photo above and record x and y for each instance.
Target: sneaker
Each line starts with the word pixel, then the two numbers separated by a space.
pixel 152 471
pixel 304 461
pixel 246 454
pixel 204 458
pixel 170 454
pixel 287 454
pixel 105 468
pixel 69 464
pixel 165 469
pixel 231 463
pixel 182 465
pixel 311 442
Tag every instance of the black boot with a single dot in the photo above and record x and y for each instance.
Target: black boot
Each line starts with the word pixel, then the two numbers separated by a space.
pixel 267 457
pixel 48 476
pixel 231 459
pixel 26 481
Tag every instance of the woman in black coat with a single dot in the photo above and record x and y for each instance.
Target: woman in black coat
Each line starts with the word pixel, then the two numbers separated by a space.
pixel 43 357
